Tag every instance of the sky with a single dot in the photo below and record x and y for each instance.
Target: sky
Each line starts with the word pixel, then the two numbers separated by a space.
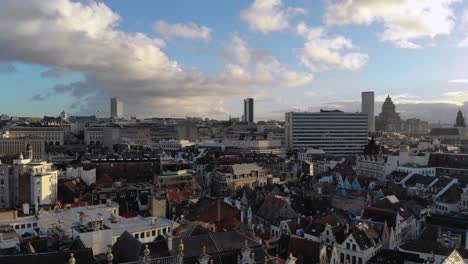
pixel 201 58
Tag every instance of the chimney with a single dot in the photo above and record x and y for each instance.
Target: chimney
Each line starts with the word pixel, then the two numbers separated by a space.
pixel 218 210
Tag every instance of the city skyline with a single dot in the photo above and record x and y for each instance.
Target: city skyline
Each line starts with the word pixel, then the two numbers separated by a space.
pixel 163 60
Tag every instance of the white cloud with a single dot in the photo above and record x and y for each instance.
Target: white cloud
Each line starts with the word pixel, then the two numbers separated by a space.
pixel 465 81
pixel 464 24
pixel 132 66
pixel 187 31
pixel 404 21
pixel 321 52
pixel 259 68
pixel 266 16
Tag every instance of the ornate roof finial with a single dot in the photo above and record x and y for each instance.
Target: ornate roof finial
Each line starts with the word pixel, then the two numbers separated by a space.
pixel 181 247
pixel 146 252
pixel 72 259
pixel 203 250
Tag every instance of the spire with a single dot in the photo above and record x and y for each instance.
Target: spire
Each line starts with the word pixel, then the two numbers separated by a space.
pixel 460 121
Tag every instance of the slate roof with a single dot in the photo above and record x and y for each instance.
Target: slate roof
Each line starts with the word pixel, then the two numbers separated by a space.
pixel 388 256
pixel 421 179
pixel 223 247
pixel 127 248
pixel 82 255
pixel 452 195
pixel 444 132
pixel 361 238
pixel 429 247
pixel 306 251
pixel 431 232
pixel 271 209
pixel 380 215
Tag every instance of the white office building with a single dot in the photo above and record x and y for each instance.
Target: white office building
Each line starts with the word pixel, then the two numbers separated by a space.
pixel 335 132
pixel 367 106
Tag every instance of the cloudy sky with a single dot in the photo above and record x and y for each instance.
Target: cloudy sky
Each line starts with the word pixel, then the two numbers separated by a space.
pixel 201 58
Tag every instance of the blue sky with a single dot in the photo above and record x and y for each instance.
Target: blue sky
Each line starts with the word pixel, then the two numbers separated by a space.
pixel 200 58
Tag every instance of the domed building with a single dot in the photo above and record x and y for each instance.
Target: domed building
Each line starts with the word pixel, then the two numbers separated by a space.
pixel 388 120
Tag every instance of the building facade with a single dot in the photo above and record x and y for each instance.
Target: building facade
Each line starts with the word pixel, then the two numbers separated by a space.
pixel 233 177
pixel 335 132
pixel 13 146
pixel 51 135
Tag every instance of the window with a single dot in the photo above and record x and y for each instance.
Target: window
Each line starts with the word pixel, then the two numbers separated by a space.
pixel 23 226
pixel 153 233
pixel 359 260
pixel 347 246
pixel 354 247
pixel 341 258
pixel 142 234
pixel 354 260
pixel 137 235
pixel 29 225
pixel 34 224
pixel 148 233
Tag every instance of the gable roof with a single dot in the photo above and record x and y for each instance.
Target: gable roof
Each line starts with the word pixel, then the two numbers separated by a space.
pixel 271 208
pixel 214 211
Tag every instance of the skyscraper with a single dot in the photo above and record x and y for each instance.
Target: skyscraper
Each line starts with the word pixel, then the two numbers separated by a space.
pixel 248 110
pixel 367 106
pixel 117 108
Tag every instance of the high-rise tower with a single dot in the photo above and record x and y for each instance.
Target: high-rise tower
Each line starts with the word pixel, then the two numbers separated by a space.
pixel 117 108
pixel 248 110
pixel 367 106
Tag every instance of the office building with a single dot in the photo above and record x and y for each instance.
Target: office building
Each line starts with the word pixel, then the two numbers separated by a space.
pixel 367 106
pixel 12 147
pixel 248 110
pixel 335 132
pixel 52 135
pixel 117 108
